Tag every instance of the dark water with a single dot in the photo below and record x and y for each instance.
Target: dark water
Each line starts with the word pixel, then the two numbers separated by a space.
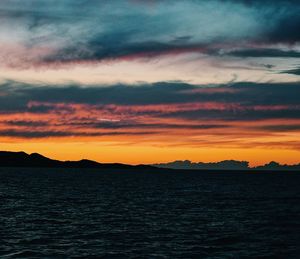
pixel 86 214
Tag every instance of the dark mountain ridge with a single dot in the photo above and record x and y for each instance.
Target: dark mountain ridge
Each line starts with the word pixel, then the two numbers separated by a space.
pixel 22 159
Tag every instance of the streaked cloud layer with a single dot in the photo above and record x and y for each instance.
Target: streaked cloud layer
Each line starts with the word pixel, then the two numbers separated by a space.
pixel 147 72
pixel 241 112
pixel 68 31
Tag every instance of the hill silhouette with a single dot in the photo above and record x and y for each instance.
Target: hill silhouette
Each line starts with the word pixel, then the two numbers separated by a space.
pixel 22 159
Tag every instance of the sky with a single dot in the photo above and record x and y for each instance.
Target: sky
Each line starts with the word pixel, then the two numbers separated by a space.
pixel 150 81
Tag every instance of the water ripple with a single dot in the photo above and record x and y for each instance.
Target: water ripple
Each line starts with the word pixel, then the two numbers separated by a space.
pixel 88 214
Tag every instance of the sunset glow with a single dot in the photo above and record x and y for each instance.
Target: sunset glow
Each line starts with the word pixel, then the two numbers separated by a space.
pixel 151 81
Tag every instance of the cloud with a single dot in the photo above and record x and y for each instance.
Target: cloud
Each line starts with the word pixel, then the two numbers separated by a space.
pixel 237 114
pixel 244 101
pixel 295 71
pixel 265 53
pixel 25 123
pixel 28 134
pixel 145 125
pixel 56 32
pixel 157 93
pixel 281 128
pixel 287 29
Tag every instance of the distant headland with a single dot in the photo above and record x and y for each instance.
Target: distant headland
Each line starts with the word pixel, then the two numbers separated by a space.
pixel 22 159
pixel 225 165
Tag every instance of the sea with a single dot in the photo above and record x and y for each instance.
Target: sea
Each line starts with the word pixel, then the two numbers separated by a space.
pixel 84 213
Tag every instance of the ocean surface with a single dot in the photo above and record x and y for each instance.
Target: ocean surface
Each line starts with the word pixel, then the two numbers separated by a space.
pixel 75 213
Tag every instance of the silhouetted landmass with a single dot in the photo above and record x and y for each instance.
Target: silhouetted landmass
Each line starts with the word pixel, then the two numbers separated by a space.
pixel 225 165
pixel 22 159
pixel 276 166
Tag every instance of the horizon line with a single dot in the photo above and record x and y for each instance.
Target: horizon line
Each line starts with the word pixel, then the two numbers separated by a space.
pixel 158 163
